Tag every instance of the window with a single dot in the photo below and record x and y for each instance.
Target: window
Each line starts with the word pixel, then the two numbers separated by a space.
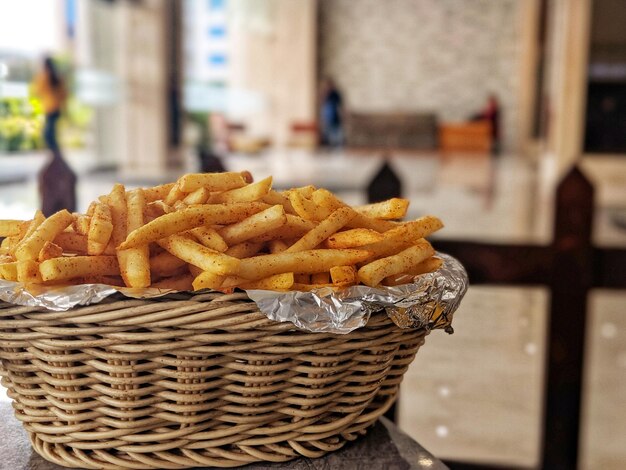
pixel 217 31
pixel 216 5
pixel 217 59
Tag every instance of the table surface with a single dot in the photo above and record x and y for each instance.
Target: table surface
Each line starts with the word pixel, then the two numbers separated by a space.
pixel 384 447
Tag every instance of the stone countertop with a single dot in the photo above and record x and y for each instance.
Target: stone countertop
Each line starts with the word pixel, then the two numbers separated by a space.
pixel 385 447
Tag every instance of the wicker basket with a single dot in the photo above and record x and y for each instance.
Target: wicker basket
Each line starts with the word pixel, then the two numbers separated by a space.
pixel 202 381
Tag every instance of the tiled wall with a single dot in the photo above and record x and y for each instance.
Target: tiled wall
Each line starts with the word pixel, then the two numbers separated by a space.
pixel 423 55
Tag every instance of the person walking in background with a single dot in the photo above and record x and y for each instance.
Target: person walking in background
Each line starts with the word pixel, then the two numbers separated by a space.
pixel 57 181
pixel 331 111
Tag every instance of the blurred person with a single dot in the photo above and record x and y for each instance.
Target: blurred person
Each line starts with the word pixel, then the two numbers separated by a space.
pixel 491 113
pixel 49 87
pixel 331 113
pixel 57 181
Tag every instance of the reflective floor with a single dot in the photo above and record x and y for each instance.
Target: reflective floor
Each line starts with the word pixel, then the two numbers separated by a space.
pixel 475 395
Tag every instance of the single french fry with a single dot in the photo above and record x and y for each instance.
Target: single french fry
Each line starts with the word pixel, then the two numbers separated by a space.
pixel 10 228
pixel 28 271
pixel 165 264
pixel 50 250
pixel 181 283
pixel 91 208
pixel 254 226
pixel 8 271
pixel 100 229
pixel 25 225
pixel 282 281
pixel 81 223
pixel 343 275
pixel 427 266
pixel 135 204
pixel 199 196
pixel 306 191
pixel 175 194
pixel 9 243
pixel 274 197
pixel 191 217
pixel 116 201
pixel 373 273
pixel 60 269
pixel 353 238
pixel 209 238
pixel 134 262
pixel 306 208
pixel 72 242
pixel 245 249
pixel 47 231
pixel 208 280
pixel 212 181
pixel 247 176
pixel 251 192
pixel 311 261
pixel 194 253
pixel 323 230
pixel 295 227
pixel 32 226
pixel 157 193
pixel 321 278
pixel 156 209
pixel 394 208
pixel 326 199
pixel 401 237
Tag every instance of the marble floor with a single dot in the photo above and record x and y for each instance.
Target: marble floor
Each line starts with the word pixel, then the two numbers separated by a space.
pixel 474 395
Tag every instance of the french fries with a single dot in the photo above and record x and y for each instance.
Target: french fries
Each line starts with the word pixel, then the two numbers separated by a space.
pixel 65 268
pixel 100 229
pixel 194 253
pixel 221 231
pixel 372 273
pixel 133 262
pixel 47 231
pixel 394 208
pixel 311 261
pixel 254 226
pixel 212 181
pixel 323 230
pixel 353 238
pixel 188 218
pixel 10 228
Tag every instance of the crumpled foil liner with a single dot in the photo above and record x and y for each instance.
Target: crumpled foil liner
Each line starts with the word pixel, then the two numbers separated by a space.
pixel 427 301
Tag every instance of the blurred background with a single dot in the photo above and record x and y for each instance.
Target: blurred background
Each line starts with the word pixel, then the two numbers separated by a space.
pixel 478 107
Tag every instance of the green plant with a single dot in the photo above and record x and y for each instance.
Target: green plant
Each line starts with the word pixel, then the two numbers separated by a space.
pixel 21 124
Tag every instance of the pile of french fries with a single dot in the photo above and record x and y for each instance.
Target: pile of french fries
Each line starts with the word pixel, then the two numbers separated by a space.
pixel 220 231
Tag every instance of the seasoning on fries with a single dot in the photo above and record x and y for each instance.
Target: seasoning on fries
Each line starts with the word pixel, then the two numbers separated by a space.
pixel 221 231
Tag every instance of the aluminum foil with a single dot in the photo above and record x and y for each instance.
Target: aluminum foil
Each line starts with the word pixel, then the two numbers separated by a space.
pixel 426 301
pixel 60 298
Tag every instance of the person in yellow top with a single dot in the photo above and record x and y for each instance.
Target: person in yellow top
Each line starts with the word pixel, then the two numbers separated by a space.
pixel 57 181
pixel 49 87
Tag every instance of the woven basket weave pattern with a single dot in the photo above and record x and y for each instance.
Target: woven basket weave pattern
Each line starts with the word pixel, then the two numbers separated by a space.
pixel 208 381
